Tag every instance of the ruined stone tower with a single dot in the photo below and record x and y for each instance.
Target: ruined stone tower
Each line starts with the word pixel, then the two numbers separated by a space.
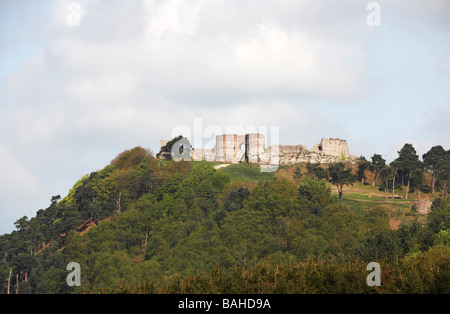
pixel 255 144
pixel 332 147
pixel 230 147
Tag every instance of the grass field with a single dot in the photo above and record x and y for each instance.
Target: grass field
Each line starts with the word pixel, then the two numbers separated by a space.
pixel 247 172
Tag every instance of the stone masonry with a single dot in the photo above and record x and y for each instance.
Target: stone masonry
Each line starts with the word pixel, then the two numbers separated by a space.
pixel 250 148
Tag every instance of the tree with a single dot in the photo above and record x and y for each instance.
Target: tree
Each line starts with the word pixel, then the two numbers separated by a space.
pixel 443 174
pixel 417 177
pixel 377 164
pixel 340 176
pixel 407 162
pixel 363 165
pixel 177 148
pixel 439 217
pixel 386 173
pixel 273 197
pixel 130 158
pixel 314 193
pixel 55 199
pixel 316 170
pixel 143 180
pixel 384 244
pixel 432 160
pixel 394 166
pixel 70 219
pixel 235 199
pixel 22 223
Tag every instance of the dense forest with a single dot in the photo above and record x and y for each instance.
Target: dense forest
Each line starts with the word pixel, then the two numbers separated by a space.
pixel 144 224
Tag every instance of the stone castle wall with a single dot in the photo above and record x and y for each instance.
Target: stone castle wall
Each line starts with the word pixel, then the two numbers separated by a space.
pixel 203 154
pixel 250 148
pixel 333 147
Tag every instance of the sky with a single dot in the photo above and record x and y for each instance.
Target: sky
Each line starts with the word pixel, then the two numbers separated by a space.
pixel 82 81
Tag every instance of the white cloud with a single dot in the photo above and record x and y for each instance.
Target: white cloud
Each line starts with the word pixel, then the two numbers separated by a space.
pixel 165 17
pixel 69 13
pixel 176 55
pixel 15 178
pixel 417 14
pixel 291 62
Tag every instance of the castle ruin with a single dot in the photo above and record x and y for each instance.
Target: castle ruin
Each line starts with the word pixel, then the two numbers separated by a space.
pixel 251 148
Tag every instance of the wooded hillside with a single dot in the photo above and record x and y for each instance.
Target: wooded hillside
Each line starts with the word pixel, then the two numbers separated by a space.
pixel 146 225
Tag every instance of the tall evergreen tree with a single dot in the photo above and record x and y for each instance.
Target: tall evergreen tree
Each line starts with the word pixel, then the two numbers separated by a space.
pixel 432 160
pixel 386 173
pixel 443 174
pixel 378 163
pixel 363 165
pixel 407 162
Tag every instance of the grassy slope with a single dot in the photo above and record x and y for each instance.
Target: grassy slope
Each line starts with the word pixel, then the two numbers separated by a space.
pixel 247 172
pixel 359 197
